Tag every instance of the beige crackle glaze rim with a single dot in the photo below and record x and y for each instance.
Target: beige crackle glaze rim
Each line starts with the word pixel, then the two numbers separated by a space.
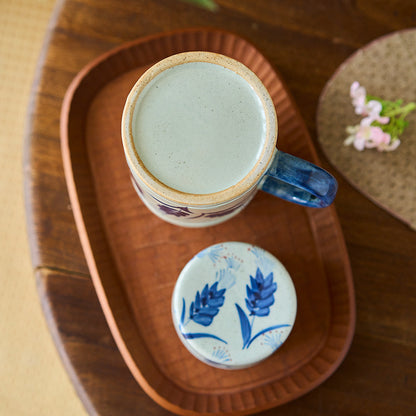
pixel 142 174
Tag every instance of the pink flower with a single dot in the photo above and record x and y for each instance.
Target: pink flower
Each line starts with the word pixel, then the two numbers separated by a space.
pixel 368 137
pixel 352 131
pixel 377 138
pixel 358 95
pixel 373 109
pixel 389 147
pixel 358 136
pixel 363 135
pixel 376 131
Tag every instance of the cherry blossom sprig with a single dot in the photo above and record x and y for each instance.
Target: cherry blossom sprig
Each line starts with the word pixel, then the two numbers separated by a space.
pixel 382 123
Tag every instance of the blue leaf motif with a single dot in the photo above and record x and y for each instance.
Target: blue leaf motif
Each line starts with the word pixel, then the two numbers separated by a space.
pixel 216 302
pixel 268 291
pixel 197 301
pixel 268 280
pixel 202 335
pixel 204 293
pixel 265 303
pixel 203 319
pixel 245 326
pixel 261 312
pixel 260 296
pixel 206 304
pixel 214 288
pixel 203 310
pixel 253 283
pixel 183 311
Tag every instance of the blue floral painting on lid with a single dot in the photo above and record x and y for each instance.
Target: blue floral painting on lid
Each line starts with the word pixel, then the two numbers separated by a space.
pixel 233 305
pixel 260 297
pixel 203 310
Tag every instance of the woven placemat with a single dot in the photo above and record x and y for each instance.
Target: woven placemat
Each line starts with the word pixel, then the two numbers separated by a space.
pixel 387 69
pixel 33 379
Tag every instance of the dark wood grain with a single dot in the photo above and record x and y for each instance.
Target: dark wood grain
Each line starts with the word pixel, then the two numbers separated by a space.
pixel 305 41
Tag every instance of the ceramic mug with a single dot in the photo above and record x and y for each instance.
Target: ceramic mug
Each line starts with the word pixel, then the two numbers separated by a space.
pixel 199 132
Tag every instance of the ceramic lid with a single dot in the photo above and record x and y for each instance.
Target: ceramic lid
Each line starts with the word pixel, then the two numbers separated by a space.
pixel 233 305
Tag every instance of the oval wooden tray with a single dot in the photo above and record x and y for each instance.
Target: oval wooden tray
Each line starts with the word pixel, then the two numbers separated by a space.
pixel 134 258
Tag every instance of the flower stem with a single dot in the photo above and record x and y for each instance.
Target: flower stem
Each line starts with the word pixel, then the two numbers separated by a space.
pixel 403 111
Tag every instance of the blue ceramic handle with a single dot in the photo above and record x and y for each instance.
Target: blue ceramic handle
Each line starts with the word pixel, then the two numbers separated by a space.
pixel 299 181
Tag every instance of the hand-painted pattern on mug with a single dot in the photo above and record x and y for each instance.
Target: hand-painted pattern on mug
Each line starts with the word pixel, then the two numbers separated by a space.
pixel 183 211
pixel 179 211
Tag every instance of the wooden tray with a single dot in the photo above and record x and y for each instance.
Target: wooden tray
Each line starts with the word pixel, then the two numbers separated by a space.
pixel 134 258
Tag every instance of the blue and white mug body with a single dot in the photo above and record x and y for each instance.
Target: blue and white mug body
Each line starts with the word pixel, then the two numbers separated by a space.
pixel 281 174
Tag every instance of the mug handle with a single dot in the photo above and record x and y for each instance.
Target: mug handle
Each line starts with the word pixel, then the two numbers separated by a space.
pixel 299 181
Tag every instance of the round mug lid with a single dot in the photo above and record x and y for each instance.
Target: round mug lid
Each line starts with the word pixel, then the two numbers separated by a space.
pixel 233 305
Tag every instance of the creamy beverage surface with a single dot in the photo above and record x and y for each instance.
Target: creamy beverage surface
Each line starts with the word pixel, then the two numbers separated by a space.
pixel 199 127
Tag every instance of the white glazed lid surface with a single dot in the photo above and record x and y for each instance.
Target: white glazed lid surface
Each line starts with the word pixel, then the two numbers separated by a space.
pixel 234 304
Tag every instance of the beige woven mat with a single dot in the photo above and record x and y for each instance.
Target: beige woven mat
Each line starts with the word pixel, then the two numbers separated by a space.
pixel 387 69
pixel 33 380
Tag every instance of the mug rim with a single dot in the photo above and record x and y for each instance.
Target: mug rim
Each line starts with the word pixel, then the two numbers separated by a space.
pixel 251 179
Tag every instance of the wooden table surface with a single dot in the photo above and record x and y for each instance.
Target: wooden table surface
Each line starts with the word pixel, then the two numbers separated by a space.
pixel 306 41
